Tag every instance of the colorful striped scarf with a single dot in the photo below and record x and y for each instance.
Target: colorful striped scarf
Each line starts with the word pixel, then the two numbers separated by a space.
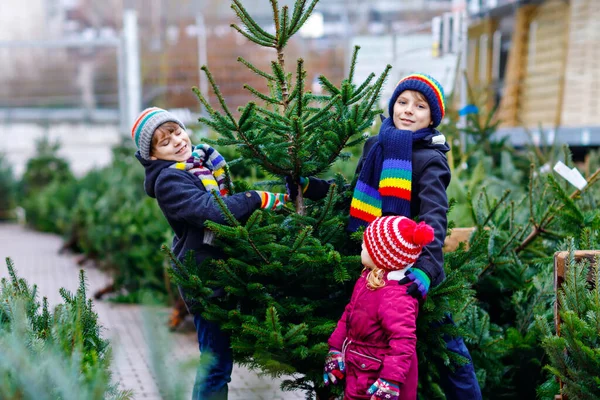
pixel 384 184
pixel 209 166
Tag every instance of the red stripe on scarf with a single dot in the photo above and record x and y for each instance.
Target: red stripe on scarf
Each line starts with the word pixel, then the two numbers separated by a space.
pixel 395 192
pixel 365 216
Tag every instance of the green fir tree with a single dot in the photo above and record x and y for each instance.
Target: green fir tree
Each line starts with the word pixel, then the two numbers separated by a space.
pixel 287 276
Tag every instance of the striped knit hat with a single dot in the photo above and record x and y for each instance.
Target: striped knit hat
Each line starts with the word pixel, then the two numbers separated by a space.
pixel 145 125
pixel 395 242
pixel 428 87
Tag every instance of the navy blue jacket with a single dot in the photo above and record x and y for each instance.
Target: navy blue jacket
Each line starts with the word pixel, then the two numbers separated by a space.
pixel 429 202
pixel 187 205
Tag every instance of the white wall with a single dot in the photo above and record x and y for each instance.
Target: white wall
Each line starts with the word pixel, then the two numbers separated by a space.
pixel 84 145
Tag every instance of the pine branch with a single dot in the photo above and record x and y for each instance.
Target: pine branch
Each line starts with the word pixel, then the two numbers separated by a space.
pixel 304 17
pixel 328 206
pixel 263 97
pixel 377 89
pixel 300 74
pixel 496 206
pixel 314 120
pixel 353 63
pixel 327 85
pixel 218 94
pixel 256 70
pixel 274 115
pixel 275 8
pixel 537 230
pixel 246 115
pixel 298 10
pixel 284 37
pixel 358 93
pixel 234 222
pixel 249 21
pixel 253 39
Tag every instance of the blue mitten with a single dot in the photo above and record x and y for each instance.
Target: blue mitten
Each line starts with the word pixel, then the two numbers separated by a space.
pixel 420 283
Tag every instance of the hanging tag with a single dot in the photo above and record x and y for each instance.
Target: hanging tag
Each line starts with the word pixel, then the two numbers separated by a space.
pixel 573 176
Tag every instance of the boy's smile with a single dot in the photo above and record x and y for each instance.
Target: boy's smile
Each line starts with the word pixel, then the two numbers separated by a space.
pixel 411 111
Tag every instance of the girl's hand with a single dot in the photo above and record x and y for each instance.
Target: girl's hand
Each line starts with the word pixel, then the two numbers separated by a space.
pixel 383 389
pixel 334 367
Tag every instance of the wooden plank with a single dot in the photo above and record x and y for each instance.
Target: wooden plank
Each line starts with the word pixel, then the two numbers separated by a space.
pixel 560 270
pixel 456 237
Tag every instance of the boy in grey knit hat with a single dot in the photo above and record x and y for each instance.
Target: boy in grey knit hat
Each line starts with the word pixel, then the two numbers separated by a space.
pixel 180 176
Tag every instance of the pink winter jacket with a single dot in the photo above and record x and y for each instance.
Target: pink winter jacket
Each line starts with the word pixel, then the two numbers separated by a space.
pixel 377 335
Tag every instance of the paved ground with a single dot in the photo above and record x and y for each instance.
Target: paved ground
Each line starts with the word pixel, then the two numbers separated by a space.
pixel 37 260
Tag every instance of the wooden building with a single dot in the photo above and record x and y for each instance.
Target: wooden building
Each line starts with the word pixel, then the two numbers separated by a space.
pixel 538 62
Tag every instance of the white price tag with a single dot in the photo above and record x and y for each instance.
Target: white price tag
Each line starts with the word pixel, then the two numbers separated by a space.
pixel 573 176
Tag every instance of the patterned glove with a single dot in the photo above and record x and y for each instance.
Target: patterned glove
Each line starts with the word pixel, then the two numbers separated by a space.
pixel 383 389
pixel 292 188
pixel 334 367
pixel 420 283
pixel 272 201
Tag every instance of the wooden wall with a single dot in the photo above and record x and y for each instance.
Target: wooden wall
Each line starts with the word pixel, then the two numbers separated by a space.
pixel 509 104
pixel 542 86
pixel 581 104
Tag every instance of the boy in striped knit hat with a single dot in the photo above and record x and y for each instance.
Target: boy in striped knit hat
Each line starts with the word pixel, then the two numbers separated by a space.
pixel 181 177
pixel 404 171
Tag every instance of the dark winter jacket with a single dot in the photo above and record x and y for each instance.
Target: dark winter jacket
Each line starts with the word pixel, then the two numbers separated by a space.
pixel 429 202
pixel 187 205
pixel 377 334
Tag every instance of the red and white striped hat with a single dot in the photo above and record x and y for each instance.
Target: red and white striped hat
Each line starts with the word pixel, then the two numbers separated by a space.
pixel 395 242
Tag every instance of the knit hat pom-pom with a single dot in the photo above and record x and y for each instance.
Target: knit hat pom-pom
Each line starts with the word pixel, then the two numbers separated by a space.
pixel 423 234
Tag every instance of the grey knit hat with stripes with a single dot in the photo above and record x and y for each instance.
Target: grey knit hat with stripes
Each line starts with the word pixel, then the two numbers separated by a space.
pixel 145 125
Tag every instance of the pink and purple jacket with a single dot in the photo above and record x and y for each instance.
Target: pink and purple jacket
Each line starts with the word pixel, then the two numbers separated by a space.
pixel 377 335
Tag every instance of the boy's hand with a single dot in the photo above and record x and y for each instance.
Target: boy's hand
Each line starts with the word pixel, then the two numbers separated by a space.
pixel 334 367
pixel 272 201
pixel 292 189
pixel 383 389
pixel 420 283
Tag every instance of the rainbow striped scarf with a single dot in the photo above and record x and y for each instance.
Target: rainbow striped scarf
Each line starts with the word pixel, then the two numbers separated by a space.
pixel 384 184
pixel 209 166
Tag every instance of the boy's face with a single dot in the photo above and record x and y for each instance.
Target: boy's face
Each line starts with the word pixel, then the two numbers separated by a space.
pixel 411 111
pixel 365 257
pixel 170 142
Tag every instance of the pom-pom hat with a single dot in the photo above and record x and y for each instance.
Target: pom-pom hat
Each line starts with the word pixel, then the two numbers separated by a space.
pixel 395 242
pixel 428 87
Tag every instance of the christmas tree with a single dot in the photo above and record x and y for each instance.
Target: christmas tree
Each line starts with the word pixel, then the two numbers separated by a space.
pixel 287 276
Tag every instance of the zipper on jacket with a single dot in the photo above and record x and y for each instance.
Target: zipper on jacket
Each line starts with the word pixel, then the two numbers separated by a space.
pixel 365 356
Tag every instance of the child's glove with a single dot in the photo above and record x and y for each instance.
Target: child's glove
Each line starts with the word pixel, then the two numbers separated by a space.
pixel 383 389
pixel 272 201
pixel 334 367
pixel 292 188
pixel 420 283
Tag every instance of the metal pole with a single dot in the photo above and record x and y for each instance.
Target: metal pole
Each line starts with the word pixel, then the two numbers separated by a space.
pixel 463 76
pixel 122 90
pixel 202 60
pixel 132 66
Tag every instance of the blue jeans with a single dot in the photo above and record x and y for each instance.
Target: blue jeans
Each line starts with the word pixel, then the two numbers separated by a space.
pixel 213 384
pixel 460 384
